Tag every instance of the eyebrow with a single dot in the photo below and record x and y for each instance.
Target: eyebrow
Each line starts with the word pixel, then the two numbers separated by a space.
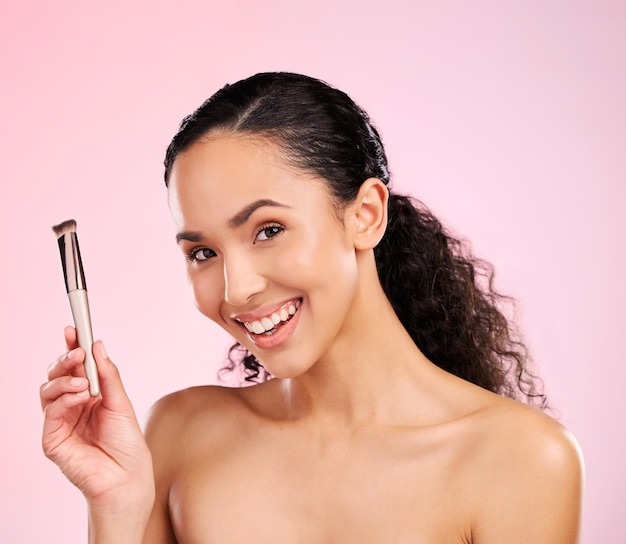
pixel 235 221
pixel 240 218
pixel 188 235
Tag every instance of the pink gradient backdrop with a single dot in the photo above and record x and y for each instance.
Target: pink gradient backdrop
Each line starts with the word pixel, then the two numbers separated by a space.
pixel 507 118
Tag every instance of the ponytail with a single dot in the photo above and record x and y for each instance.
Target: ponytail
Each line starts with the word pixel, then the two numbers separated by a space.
pixel 445 299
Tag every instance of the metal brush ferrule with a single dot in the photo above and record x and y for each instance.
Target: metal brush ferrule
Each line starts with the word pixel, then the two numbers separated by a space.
pixel 71 262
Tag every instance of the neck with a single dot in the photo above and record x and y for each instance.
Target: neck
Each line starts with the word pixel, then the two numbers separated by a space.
pixel 372 366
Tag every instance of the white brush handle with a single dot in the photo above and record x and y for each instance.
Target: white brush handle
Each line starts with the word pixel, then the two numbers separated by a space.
pixel 80 311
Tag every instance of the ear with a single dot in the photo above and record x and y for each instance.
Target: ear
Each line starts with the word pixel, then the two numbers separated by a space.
pixel 369 214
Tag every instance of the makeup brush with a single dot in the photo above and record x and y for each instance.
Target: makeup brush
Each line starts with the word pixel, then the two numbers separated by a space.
pixel 77 294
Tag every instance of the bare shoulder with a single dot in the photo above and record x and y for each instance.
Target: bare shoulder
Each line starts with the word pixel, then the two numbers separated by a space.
pixel 521 430
pixel 203 419
pixel 527 478
pixel 192 402
pixel 181 414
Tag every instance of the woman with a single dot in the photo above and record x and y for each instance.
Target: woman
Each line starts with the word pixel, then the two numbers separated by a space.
pixel 391 414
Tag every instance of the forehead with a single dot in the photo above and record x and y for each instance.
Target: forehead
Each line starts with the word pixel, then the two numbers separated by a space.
pixel 221 173
pixel 223 158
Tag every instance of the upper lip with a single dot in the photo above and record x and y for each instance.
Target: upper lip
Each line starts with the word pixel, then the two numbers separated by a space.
pixel 263 311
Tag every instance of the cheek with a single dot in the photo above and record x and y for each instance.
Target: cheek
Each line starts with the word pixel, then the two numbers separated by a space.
pixel 323 263
pixel 207 287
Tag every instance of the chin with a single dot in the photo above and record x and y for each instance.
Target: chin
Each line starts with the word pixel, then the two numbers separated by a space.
pixel 284 370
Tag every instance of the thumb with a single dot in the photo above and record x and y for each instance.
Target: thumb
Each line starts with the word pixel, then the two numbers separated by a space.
pixel 113 394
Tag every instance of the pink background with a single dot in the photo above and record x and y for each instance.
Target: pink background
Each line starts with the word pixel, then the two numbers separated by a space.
pixel 506 117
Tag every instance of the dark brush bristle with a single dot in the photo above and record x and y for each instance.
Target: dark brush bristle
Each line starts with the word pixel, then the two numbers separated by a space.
pixel 64 228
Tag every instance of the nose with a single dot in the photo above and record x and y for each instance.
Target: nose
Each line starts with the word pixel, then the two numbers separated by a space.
pixel 242 280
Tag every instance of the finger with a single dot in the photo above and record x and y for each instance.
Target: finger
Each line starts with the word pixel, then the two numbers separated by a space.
pixel 52 390
pixel 70 363
pixel 71 338
pixel 113 394
pixel 56 425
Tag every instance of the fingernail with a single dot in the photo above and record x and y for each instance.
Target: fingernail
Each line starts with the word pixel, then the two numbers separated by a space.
pixel 103 352
pixel 77 382
pixel 70 354
pixel 82 393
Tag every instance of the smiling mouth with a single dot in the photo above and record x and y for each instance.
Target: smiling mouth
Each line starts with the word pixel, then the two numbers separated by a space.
pixel 269 324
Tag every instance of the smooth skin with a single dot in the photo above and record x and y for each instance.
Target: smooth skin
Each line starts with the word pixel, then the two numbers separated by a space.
pixel 359 439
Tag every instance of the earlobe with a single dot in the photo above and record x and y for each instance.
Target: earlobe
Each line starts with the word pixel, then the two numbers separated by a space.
pixel 370 212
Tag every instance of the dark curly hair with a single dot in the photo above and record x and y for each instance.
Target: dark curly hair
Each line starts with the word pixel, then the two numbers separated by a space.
pixel 442 294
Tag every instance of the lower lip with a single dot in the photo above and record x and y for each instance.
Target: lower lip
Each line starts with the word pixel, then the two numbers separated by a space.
pixel 280 336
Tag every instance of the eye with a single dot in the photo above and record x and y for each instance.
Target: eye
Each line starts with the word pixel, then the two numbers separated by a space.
pixel 200 254
pixel 267 232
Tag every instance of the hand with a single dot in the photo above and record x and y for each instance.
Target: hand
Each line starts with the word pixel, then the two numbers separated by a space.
pixel 96 442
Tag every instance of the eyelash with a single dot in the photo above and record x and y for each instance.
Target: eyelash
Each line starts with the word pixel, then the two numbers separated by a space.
pixel 191 256
pixel 278 229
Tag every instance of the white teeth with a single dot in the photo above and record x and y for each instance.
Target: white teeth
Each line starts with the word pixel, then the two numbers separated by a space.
pixel 268 323
pixel 256 327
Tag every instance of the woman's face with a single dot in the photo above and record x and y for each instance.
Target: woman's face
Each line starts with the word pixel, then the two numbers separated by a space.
pixel 268 258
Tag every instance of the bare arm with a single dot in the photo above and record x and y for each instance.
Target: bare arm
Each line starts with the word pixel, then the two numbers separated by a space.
pixel 161 435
